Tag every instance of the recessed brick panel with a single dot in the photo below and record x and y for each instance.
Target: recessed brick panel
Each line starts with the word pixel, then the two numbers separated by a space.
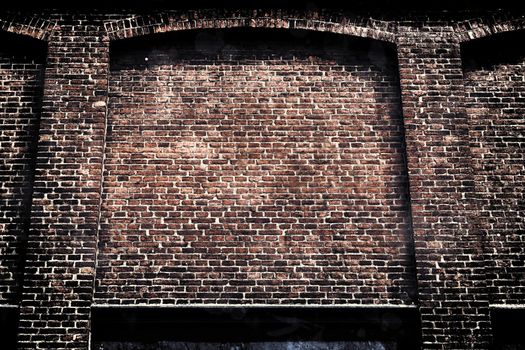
pixel 254 167
pixel 495 87
pixel 21 80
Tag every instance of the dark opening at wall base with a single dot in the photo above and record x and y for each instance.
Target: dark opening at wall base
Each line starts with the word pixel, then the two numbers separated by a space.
pixel 8 326
pixel 264 328
pixel 508 326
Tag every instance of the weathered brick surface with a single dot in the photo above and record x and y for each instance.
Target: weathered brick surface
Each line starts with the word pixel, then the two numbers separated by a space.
pixel 34 26
pixel 59 271
pixel 21 75
pixel 261 168
pixel 321 20
pixel 495 86
pixel 448 244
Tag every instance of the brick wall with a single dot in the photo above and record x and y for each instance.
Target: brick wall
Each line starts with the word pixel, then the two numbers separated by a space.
pixel 56 298
pixel 263 168
pixel 380 162
pixel 495 86
pixel 448 244
pixel 21 74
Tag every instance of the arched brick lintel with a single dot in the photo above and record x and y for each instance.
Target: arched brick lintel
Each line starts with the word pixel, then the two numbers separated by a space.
pixel 34 27
pixel 480 28
pixel 336 23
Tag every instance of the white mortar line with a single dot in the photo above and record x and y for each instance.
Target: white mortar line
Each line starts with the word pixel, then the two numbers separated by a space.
pixel 507 306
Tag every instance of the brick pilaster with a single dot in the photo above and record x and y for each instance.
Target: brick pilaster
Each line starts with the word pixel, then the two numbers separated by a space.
pixel 449 248
pixel 58 284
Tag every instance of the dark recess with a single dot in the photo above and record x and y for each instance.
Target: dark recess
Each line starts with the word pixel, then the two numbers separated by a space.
pixel 22 46
pixel 8 327
pixel 256 324
pixel 210 43
pixel 501 48
pixel 508 325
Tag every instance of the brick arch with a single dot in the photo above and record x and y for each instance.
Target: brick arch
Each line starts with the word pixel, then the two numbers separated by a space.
pixel 211 19
pixel 27 25
pixel 482 27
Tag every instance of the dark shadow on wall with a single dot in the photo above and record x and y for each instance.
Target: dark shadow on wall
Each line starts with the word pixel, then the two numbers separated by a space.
pixel 8 327
pixel 259 328
pixel 507 326
pixel 22 61
pixel 209 44
pixel 502 49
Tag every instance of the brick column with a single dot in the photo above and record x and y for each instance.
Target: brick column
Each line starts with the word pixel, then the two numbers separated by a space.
pixel 449 248
pixel 58 284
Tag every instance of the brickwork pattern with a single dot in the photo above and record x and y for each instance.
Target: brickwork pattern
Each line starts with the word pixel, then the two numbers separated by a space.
pixel 495 99
pixel 448 245
pixel 244 170
pixel 56 300
pixel 313 203
pixel 21 73
pixel 322 21
pixel 488 25
pixel 33 26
